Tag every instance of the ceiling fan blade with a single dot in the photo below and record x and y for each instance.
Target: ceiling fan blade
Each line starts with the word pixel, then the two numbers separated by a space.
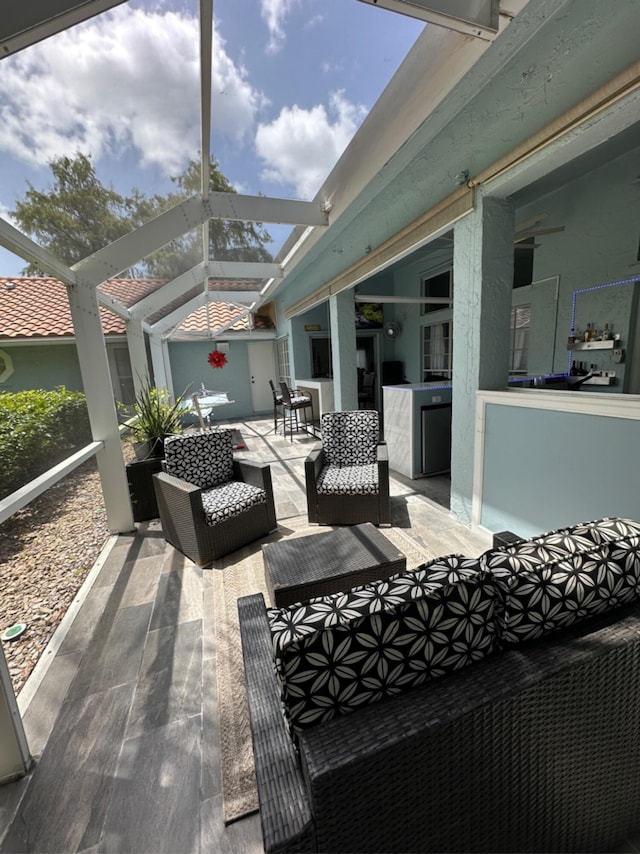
pixel 526 245
pixel 537 232
pixel 528 223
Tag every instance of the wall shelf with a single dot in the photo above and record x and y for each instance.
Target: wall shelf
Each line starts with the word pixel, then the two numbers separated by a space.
pixel 594 345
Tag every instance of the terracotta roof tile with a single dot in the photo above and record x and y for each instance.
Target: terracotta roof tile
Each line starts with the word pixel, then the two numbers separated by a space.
pixel 37 307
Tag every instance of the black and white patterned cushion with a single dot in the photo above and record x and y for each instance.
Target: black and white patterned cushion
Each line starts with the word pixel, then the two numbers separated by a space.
pixel 204 459
pixel 229 499
pixel 348 480
pixel 350 438
pixel 337 653
pixel 565 576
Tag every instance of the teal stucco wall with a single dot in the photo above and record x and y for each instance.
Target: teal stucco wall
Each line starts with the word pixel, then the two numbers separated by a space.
pixel 43 366
pixel 544 469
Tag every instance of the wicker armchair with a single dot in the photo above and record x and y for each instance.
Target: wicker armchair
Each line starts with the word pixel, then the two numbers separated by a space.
pixel 347 477
pixel 209 503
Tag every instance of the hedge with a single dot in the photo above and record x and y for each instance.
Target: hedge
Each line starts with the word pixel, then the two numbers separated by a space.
pixel 37 430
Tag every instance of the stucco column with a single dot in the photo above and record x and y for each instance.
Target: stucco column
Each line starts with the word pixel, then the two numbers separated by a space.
pixel 342 319
pixel 299 355
pixel 483 284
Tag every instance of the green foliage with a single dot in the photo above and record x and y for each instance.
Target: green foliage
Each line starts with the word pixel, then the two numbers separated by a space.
pixel 77 216
pixel 37 430
pixel 156 415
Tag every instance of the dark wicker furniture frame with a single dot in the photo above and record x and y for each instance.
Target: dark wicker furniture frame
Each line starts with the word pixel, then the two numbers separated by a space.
pixel 535 749
pixel 347 509
pixel 183 520
pixel 304 567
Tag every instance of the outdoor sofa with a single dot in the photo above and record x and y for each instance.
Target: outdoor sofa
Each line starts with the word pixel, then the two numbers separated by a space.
pixel 496 708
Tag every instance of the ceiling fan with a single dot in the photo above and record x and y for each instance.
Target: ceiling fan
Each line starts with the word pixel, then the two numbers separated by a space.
pixel 391 330
pixel 526 231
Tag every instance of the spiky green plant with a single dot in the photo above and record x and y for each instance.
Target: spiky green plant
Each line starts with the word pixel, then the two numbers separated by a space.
pixel 155 415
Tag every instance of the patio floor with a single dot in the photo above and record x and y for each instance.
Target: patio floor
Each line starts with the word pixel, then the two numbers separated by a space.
pixel 116 717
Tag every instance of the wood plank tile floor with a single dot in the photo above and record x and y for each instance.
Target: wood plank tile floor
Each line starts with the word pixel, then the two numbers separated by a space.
pixel 115 716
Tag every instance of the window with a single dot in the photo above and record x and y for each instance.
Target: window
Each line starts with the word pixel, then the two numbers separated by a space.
pixel 6 366
pixel 284 371
pixel 438 285
pixel 437 349
pixel 519 348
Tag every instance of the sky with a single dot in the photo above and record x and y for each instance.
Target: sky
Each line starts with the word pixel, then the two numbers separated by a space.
pixel 292 82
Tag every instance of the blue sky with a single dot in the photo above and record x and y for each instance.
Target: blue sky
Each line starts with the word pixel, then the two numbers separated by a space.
pixel 292 82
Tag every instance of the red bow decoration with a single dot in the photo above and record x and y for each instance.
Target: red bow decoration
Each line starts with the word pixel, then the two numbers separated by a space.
pixel 217 359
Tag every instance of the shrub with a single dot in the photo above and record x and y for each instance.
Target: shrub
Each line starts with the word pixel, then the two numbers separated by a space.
pixel 37 430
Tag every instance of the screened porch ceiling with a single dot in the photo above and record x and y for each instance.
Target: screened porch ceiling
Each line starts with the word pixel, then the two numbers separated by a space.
pixel 23 25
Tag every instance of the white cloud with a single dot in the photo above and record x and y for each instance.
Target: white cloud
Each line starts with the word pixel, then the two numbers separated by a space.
pixel 274 13
pixel 300 147
pixel 128 77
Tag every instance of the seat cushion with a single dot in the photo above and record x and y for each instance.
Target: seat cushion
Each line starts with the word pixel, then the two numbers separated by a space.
pixel 230 499
pixel 348 480
pixel 337 653
pixel 564 576
pixel 204 458
pixel 350 438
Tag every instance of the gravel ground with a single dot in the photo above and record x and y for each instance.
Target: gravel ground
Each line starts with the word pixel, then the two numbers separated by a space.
pixel 46 552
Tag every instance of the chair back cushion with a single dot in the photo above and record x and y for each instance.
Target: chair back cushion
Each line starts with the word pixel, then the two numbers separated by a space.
pixel 336 653
pixel 564 576
pixel 204 458
pixel 350 438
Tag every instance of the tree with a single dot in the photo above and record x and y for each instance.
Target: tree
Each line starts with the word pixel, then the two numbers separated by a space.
pixel 78 215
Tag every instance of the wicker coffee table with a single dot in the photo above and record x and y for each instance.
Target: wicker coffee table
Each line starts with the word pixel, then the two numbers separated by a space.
pixel 301 569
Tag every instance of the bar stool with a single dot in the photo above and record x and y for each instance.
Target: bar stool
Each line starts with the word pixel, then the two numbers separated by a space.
pixel 292 404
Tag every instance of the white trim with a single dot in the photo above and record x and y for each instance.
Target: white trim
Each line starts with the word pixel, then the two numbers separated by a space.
pixel 21 497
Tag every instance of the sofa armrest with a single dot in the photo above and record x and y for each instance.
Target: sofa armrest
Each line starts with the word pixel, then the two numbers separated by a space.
pixel 312 468
pixel 285 813
pixel 383 483
pixel 182 496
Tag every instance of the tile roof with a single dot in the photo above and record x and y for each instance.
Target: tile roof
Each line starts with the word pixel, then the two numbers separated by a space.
pixel 37 307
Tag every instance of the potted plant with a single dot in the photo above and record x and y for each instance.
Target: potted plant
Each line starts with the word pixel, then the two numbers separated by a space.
pixel 155 417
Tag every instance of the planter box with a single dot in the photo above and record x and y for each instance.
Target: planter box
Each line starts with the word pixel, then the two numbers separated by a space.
pixel 143 496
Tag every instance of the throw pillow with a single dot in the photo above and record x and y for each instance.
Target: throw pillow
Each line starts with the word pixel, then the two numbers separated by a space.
pixel 337 653
pixel 551 582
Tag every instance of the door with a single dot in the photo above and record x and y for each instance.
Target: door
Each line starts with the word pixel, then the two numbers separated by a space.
pixel 262 368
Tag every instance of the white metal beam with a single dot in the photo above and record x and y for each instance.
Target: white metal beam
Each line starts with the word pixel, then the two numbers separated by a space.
pixel 132 247
pixel 235 206
pixel 167 293
pixel 15 241
pixel 96 380
pixel 244 270
pixel 113 305
pixel 161 366
pixel 478 18
pixel 24 24
pixel 392 299
pixel 173 318
pixel 137 355
pixel 234 297
pixel 184 217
